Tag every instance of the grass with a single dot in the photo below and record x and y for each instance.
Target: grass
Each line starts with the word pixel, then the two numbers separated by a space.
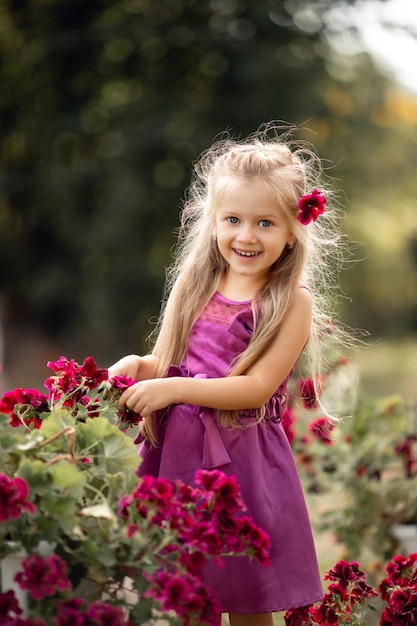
pixel 389 367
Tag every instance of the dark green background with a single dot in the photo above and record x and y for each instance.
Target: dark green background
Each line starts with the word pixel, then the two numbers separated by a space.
pixel 105 105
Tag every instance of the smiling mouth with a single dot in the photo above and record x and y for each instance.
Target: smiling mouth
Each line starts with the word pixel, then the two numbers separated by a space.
pixel 246 254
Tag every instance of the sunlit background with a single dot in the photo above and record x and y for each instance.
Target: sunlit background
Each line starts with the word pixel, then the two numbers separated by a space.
pixel 105 105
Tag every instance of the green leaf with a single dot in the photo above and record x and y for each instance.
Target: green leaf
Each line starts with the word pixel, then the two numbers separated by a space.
pixel 111 448
pixel 68 477
pixel 4 420
pixel 55 423
pixel 120 450
pixel 93 431
pixel 8 443
pixel 121 483
pixel 33 471
pixel 63 510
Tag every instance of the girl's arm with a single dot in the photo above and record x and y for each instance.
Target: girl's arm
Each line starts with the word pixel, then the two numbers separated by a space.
pixel 251 390
pixel 135 366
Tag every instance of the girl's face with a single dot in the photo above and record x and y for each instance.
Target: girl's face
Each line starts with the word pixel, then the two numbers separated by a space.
pixel 252 231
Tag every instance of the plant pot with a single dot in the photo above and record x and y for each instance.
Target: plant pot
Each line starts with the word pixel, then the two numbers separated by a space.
pixel 406 535
pixel 10 565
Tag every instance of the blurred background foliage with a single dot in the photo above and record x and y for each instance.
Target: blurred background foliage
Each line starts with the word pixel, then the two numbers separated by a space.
pixel 103 107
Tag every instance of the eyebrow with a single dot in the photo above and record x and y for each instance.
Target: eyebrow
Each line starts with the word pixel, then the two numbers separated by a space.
pixel 260 216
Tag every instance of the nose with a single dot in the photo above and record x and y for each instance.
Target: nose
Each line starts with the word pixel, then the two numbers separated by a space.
pixel 246 234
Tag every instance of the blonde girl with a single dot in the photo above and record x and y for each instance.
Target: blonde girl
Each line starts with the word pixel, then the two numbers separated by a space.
pixel 246 296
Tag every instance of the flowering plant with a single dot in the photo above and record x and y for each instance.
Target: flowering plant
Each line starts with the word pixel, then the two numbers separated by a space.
pixel 380 479
pixel 366 462
pixel 98 544
pixel 348 597
pixel 311 205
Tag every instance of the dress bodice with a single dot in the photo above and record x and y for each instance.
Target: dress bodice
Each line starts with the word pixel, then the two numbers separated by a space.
pixel 220 334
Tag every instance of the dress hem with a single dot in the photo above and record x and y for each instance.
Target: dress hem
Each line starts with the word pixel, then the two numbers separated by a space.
pixel 275 609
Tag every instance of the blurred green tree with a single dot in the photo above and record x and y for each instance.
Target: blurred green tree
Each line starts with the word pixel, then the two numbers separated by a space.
pixel 103 107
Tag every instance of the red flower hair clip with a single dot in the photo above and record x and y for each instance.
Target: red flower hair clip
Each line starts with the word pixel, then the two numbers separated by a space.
pixel 311 205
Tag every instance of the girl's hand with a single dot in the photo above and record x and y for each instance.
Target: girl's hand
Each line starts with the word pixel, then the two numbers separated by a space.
pixel 134 366
pixel 148 396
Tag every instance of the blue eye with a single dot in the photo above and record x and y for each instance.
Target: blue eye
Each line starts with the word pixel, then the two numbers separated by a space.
pixel 233 220
pixel 265 223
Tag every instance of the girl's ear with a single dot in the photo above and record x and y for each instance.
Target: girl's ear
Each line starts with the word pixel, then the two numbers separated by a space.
pixel 291 240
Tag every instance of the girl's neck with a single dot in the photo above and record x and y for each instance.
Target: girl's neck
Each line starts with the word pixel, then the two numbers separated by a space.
pixel 238 290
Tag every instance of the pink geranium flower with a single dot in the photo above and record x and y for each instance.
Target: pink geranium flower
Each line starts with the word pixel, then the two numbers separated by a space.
pixel 186 595
pixel 103 614
pixel 43 576
pixel 257 538
pixel 225 488
pixel 69 612
pixel 76 612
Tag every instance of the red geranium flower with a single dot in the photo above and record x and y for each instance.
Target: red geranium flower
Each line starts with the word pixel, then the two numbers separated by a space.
pixel 69 375
pixel 13 497
pixel 298 617
pixel 9 605
pixel 307 392
pixel 311 205
pixel 288 420
pixel 347 571
pixel 117 386
pixel 121 382
pixel 322 428
pixel 93 375
pixel 32 400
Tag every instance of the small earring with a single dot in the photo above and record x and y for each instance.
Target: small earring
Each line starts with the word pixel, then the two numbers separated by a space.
pixel 290 245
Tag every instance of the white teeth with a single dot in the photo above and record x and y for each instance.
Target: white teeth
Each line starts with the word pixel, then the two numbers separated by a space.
pixel 242 253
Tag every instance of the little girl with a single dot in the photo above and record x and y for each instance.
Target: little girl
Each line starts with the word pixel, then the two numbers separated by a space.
pixel 246 297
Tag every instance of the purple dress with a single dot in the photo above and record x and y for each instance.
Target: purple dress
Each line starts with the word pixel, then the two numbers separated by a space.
pixel 261 459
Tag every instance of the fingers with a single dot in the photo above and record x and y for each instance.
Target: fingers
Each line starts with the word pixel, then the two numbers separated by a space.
pixel 117 370
pixel 127 366
pixel 134 400
pixel 147 396
pixel 125 397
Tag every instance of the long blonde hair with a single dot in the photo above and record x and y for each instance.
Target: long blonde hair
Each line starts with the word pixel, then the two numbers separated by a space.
pixel 288 169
